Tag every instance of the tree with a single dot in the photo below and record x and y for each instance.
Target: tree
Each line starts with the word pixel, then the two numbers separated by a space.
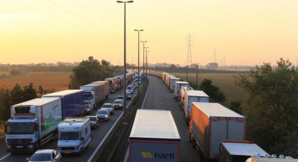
pixel 14 71
pixel 5 104
pixel 88 71
pixel 29 92
pixel 212 91
pixel 272 103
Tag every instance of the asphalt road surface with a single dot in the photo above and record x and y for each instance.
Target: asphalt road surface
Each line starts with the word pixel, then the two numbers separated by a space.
pixel 159 97
pixel 97 136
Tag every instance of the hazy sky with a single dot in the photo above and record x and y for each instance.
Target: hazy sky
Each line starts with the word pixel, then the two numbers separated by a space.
pixel 242 31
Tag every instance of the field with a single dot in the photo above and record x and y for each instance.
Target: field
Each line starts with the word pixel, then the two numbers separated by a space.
pixel 224 81
pixel 48 80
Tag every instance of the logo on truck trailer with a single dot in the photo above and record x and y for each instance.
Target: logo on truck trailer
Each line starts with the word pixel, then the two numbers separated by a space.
pixel 158 155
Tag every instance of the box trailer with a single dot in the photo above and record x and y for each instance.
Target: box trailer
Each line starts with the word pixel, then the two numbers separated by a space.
pixel 190 97
pixel 72 102
pixel 178 85
pixel 112 84
pixel 106 87
pixel 33 123
pixel 182 95
pixel 173 80
pixel 154 137
pixel 212 123
pixel 270 159
pixel 94 94
pixel 238 151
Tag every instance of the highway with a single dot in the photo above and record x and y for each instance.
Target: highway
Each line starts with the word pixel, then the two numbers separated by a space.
pixel 159 97
pixel 97 137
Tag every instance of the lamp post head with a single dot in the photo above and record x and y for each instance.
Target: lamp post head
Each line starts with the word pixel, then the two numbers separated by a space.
pixel 124 1
pixel 139 30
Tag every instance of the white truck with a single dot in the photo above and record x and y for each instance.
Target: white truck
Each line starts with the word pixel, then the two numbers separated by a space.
pixel 32 124
pixel 94 94
pixel 154 137
pixel 212 123
pixel 172 83
pixel 74 135
pixel 190 97
pixel 238 151
pixel 182 95
pixel 178 85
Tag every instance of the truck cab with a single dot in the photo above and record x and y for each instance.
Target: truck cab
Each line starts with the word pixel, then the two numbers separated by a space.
pixel 74 135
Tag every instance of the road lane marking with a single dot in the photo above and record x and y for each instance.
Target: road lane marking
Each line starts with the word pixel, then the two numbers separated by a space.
pixel 5 156
pixel 126 155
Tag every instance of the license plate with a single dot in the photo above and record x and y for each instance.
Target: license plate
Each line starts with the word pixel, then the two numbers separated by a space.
pixel 67 152
pixel 19 147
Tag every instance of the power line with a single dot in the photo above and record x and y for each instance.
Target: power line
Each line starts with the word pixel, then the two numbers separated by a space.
pixel 74 14
pixel 55 17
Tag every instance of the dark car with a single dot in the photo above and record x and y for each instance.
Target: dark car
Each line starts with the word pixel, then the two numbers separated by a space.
pixel 103 115
pixel 93 121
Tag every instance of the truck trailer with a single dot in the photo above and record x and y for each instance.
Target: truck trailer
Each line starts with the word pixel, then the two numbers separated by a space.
pixel 33 123
pixel 154 137
pixel 94 95
pixel 190 97
pixel 72 102
pixel 177 87
pixel 106 87
pixel 172 82
pixel 238 151
pixel 212 123
pixel 112 84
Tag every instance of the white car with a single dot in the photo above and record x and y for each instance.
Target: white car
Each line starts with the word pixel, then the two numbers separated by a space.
pixel 45 155
pixel 118 104
pixel 129 89
pixel 109 107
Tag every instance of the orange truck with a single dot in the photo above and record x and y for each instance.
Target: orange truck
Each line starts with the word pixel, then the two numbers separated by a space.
pixel 212 123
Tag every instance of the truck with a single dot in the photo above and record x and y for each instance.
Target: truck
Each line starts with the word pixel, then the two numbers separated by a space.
pixel 178 85
pixel 172 82
pixel 271 159
pixel 74 135
pixel 182 95
pixel 212 123
pixel 72 102
pixel 32 124
pixel 154 137
pixel 106 87
pixel 190 97
pixel 238 151
pixel 94 94
pixel 112 84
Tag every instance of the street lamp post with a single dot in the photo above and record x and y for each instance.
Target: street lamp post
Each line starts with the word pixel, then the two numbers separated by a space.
pixel 143 56
pixel 147 62
pixel 124 75
pixel 139 57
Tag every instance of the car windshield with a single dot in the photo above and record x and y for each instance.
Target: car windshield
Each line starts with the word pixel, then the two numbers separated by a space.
pixel 120 97
pixel 41 157
pixel 117 102
pixel 20 128
pixel 102 112
pixel 88 96
pixel 128 88
pixel 69 136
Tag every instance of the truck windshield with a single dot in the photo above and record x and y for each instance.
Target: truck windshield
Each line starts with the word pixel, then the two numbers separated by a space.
pixel 88 96
pixel 69 136
pixel 20 128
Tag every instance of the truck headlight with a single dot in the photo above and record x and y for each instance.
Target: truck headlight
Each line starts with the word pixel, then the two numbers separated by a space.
pixel 106 116
pixel 8 146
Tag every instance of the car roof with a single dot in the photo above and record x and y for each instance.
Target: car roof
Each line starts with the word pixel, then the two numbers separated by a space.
pixel 93 116
pixel 107 104
pixel 102 109
pixel 118 100
pixel 45 151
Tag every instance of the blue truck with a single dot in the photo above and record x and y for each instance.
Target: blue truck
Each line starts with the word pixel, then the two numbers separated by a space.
pixel 72 102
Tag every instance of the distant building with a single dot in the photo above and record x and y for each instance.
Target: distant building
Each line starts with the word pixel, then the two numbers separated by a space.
pixel 212 65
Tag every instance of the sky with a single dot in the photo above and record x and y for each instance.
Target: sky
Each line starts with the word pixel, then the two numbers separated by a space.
pixel 243 32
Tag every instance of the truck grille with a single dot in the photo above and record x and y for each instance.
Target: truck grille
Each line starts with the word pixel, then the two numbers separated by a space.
pixel 19 141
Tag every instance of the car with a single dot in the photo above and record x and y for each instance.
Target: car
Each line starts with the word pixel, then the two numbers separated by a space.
pixel 128 96
pixel 121 97
pixel 93 121
pixel 118 104
pixel 103 115
pixel 45 155
pixel 129 89
pixel 108 106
